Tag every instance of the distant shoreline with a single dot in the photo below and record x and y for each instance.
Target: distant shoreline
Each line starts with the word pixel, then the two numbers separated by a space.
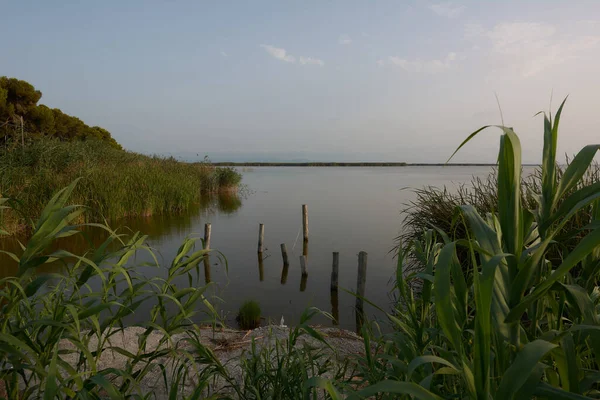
pixel 351 164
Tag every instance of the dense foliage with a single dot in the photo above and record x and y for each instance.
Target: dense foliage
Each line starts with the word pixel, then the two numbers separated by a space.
pixel 19 99
pixel 114 183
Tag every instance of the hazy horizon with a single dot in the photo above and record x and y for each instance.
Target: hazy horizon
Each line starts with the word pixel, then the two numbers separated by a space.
pixel 347 79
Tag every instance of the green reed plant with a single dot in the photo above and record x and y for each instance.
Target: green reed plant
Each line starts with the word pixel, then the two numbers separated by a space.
pixel 513 323
pixel 114 183
pixel 56 328
pixel 434 207
pixel 290 368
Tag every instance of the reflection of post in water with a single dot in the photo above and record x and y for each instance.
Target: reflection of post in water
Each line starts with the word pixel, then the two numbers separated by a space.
pixel 361 280
pixel 359 321
pixel 286 264
pixel 304 273
pixel 303 282
pixel 335 307
pixel 207 279
pixel 261 270
pixel 284 273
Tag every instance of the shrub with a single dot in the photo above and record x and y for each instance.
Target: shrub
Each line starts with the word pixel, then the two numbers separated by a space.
pixel 249 315
pixel 435 208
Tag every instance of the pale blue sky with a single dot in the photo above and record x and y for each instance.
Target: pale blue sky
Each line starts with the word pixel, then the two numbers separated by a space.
pixel 353 80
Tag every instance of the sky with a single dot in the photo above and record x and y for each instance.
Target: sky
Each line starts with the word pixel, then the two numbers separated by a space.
pixel 312 80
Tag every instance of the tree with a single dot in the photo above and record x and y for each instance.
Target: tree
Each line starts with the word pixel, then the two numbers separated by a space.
pixel 18 99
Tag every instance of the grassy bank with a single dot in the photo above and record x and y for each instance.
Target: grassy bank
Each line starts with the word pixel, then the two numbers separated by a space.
pixel 114 183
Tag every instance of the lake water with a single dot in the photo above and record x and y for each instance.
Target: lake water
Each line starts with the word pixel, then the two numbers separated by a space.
pixel 351 209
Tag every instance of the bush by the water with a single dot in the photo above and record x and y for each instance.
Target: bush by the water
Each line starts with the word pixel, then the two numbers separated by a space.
pixel 249 315
pixel 114 183
pixel 436 208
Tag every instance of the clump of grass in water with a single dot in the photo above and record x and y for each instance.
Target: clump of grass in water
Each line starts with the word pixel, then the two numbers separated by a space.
pixel 114 183
pixel 249 315
pixel 435 207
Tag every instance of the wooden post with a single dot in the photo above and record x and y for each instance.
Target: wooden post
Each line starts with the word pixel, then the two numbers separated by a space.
pixel 207 229
pixel 305 222
pixel 305 248
pixel 360 288
pixel 303 265
pixel 284 254
pixel 335 307
pixel 334 271
pixel 207 279
pixel 261 237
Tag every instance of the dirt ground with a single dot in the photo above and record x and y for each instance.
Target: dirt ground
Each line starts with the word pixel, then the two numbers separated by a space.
pixel 228 346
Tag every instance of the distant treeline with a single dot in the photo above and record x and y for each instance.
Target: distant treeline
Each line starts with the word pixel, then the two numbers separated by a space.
pixel 309 164
pixel 18 102
pixel 341 164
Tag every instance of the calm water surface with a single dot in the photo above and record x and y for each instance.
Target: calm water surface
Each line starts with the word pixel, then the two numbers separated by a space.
pixel 351 209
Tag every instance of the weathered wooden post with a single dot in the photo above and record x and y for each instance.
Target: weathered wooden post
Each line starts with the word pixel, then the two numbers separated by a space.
pixel 284 254
pixel 305 248
pixel 303 265
pixel 207 231
pixel 207 279
pixel 261 269
pixel 361 279
pixel 334 271
pixel 261 237
pixel 305 222
pixel 335 307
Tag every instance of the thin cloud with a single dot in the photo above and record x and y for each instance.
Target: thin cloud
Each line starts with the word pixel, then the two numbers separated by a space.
pixel 448 10
pixel 278 53
pixel 344 39
pixel 529 48
pixel 283 55
pixel 224 54
pixel 422 66
pixel 311 61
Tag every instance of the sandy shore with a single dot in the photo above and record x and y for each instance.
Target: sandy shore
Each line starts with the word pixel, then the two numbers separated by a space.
pixel 228 346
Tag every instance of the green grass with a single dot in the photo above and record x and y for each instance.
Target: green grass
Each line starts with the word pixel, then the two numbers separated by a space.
pixel 437 208
pixel 249 315
pixel 114 183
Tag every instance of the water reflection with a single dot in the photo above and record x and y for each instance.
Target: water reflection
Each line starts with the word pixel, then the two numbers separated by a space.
pixel 303 282
pixel 261 267
pixel 284 273
pixel 226 202
pixel 157 227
